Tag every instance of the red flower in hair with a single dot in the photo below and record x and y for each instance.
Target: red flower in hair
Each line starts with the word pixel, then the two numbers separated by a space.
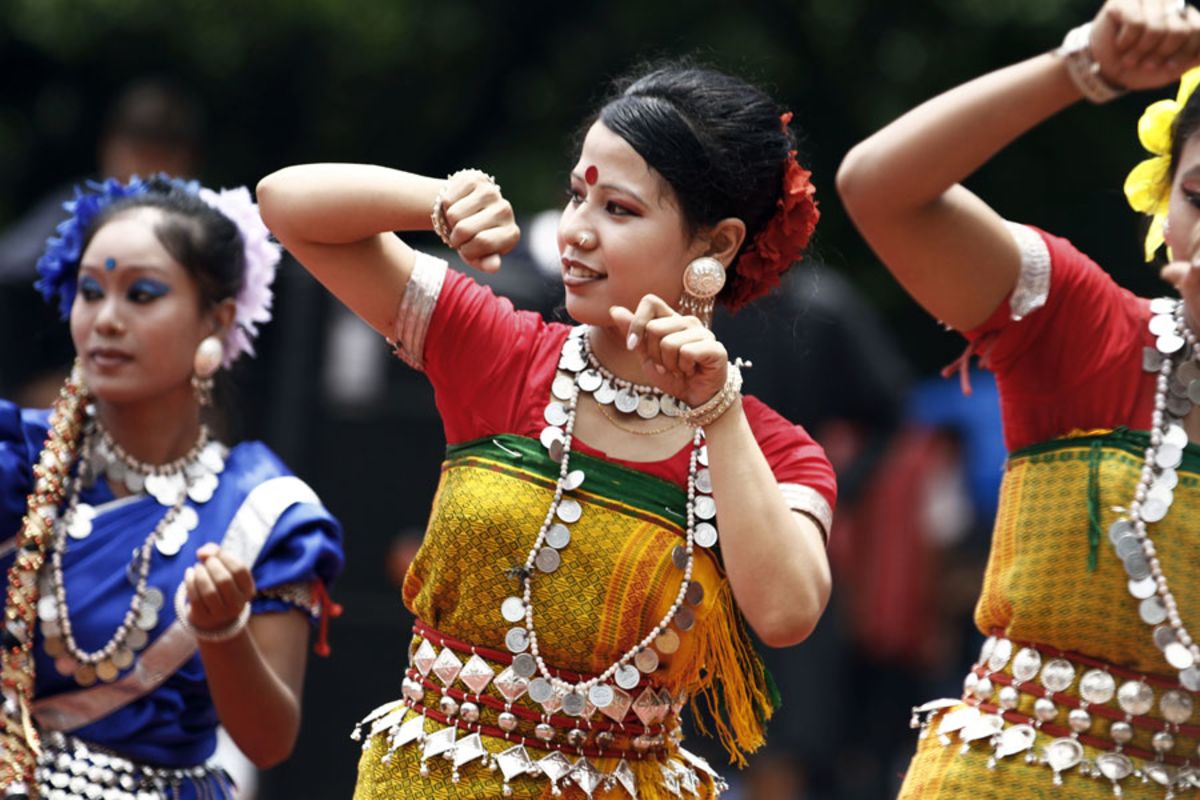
pixel 781 241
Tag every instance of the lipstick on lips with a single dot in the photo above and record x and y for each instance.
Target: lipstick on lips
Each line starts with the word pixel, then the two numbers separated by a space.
pixel 576 273
pixel 108 357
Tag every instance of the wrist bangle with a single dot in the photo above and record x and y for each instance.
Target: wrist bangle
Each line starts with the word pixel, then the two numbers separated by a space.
pixel 1076 53
pixel 220 634
pixel 437 215
pixel 711 410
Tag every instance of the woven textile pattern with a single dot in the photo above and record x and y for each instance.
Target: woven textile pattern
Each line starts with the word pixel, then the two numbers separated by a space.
pixel 616 582
pixel 1038 588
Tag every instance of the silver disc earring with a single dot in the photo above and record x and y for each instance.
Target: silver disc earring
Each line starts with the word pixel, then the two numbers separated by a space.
pixel 205 364
pixel 702 280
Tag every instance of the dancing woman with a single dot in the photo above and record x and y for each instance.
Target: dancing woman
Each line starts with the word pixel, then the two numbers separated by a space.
pixel 1090 668
pixel 159 584
pixel 572 591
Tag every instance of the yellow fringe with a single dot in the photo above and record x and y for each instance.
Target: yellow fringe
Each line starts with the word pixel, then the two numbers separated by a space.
pixel 720 666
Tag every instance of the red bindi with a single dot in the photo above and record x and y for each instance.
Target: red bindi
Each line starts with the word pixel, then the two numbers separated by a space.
pixel 591 175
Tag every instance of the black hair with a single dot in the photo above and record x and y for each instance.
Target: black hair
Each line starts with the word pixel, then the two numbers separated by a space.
pixel 716 139
pixel 206 242
pixel 1186 125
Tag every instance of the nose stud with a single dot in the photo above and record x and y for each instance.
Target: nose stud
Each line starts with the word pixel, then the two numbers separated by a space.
pixel 584 239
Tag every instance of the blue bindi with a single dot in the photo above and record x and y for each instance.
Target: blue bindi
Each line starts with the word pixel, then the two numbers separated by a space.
pixel 110 264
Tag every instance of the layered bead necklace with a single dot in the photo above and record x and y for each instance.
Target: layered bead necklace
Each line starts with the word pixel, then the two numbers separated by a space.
pixel 1177 391
pixel 193 477
pixel 580 373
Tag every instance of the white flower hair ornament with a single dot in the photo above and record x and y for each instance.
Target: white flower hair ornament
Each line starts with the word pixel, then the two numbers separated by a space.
pixel 262 259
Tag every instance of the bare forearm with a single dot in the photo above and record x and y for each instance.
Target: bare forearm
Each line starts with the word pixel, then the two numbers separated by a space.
pixel 918 157
pixel 775 560
pixel 902 188
pixel 258 707
pixel 344 203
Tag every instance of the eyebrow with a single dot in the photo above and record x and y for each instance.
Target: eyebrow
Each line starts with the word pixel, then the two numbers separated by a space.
pixel 612 187
pixel 93 267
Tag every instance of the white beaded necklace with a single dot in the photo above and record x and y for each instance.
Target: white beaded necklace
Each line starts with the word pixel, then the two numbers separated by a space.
pixel 1130 537
pixel 548 689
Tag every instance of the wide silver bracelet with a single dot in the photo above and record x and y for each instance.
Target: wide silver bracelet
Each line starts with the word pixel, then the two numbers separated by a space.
pixel 220 634
pixel 438 214
pixel 711 409
pixel 1076 53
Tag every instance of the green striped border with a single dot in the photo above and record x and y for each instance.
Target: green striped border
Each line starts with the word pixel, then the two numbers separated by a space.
pixel 653 495
pixel 1133 442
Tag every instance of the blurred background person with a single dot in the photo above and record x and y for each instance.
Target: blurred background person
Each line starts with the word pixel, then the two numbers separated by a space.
pixel 153 125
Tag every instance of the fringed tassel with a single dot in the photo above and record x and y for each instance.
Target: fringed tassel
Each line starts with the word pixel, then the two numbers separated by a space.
pixel 328 609
pixel 723 669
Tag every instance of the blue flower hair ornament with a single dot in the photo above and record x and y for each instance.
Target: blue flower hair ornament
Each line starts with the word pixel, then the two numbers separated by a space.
pixel 58 268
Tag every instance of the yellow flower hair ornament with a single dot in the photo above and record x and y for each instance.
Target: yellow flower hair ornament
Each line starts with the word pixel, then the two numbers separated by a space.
pixel 1148 185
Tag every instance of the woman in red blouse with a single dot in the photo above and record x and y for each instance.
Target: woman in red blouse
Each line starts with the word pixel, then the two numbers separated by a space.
pixel 571 592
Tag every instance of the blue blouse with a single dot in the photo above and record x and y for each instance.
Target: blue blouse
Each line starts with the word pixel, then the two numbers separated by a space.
pixel 175 724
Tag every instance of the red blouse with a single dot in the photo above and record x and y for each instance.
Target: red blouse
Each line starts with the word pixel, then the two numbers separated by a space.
pixel 1075 364
pixel 491 367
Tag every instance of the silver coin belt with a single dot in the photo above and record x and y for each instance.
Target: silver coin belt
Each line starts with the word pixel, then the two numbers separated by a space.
pixel 194 479
pixel 70 769
pixel 546 556
pixel 481 696
pixel 1016 691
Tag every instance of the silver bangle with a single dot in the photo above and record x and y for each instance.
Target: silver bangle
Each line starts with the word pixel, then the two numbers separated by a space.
pixel 437 214
pixel 711 409
pixel 220 634
pixel 1076 53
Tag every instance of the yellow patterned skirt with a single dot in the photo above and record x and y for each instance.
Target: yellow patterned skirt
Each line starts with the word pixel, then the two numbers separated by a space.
pixel 466 727
pixel 1041 714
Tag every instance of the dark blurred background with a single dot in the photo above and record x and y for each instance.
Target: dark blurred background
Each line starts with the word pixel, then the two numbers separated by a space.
pixel 436 86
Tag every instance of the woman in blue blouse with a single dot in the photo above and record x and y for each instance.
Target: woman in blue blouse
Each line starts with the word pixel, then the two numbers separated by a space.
pixel 158 583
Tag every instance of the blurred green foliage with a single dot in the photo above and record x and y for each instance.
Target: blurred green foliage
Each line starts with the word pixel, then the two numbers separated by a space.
pixel 432 86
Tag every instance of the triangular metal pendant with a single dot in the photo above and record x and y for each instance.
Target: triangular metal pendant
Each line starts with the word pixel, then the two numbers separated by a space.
pixel 410 731
pixel 586 776
pixel 468 749
pixel 439 742
pixel 624 775
pixel 447 666
pixel 424 657
pixel 554 766
pixel 513 762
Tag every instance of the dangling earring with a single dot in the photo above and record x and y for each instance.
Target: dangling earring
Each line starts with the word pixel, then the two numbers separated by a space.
pixel 207 361
pixel 702 280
